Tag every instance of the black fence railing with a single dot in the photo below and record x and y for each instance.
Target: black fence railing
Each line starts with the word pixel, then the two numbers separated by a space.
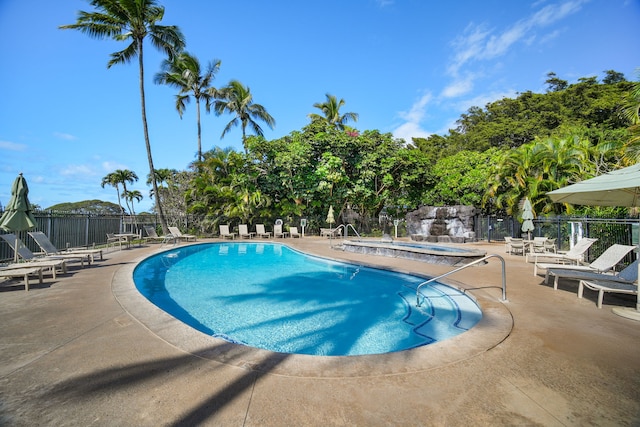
pixel 566 230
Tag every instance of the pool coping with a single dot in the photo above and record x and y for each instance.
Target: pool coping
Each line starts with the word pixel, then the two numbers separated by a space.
pixel 494 327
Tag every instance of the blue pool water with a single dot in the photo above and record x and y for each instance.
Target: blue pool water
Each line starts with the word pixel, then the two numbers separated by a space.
pixel 269 296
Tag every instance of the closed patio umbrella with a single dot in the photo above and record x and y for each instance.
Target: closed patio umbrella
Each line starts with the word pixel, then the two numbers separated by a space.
pixel 17 216
pixel 527 216
pixel 618 188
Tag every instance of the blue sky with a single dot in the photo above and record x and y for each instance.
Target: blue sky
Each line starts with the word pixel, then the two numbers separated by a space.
pixel 408 67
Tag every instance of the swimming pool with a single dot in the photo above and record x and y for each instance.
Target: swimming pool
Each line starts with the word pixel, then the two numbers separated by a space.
pixel 269 296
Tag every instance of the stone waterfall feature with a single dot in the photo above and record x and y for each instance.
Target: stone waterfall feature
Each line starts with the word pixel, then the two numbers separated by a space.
pixel 442 224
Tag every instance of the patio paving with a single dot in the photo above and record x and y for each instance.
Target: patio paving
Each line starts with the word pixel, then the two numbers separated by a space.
pixel 87 349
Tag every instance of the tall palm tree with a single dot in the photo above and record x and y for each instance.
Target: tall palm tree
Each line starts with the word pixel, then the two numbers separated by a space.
pixel 132 21
pixel 236 99
pixel 184 72
pixel 331 112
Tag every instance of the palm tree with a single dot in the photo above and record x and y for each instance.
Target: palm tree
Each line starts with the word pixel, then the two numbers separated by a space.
pixel 122 176
pixel 184 73
pixel 111 179
pixel 132 195
pixel 132 21
pixel 236 99
pixel 331 112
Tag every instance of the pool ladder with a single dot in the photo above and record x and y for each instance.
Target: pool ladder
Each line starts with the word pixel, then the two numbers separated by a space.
pixel 478 261
pixel 346 230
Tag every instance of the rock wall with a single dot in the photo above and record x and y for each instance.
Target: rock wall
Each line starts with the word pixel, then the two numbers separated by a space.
pixel 444 223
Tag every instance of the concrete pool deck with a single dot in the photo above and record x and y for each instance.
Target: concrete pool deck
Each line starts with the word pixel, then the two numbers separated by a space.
pixel 83 350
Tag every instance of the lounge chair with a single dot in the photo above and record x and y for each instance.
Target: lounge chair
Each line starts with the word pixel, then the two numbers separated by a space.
pixel 260 231
pixel 277 231
pixel 243 232
pixel 603 286
pixel 175 231
pixel 573 256
pixel 152 236
pixel 604 262
pixel 293 232
pixel 24 272
pixel 26 254
pixel 224 232
pixel 628 275
pixel 49 249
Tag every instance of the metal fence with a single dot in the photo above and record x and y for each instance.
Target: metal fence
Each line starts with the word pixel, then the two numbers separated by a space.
pixel 566 230
pixel 82 230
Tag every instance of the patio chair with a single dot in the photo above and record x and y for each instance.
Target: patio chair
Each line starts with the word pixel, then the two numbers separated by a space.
pixel 49 248
pixel 573 256
pixel 152 236
pixel 537 245
pixel 507 244
pixel 54 261
pixel 224 232
pixel 175 231
pixel 517 246
pixel 277 231
pixel 604 262
pixel 628 275
pixel 260 231
pixel 243 232
pixel 550 246
pixel 330 232
pixel 293 232
pixel 603 286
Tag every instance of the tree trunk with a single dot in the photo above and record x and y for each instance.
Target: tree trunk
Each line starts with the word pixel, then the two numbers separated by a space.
pixel 163 220
pixel 199 130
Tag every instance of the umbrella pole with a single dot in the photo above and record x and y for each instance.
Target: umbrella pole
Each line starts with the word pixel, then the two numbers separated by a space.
pixel 15 252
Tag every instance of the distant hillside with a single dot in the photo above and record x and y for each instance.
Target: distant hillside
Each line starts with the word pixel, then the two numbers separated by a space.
pixel 95 207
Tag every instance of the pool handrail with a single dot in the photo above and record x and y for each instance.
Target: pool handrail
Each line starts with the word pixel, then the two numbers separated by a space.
pixel 346 230
pixel 433 279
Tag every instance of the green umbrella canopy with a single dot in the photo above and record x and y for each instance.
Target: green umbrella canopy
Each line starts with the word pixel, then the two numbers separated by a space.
pixel 17 215
pixel 618 188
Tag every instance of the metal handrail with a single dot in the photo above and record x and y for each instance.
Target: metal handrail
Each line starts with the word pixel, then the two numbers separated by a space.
pixel 346 229
pixel 504 276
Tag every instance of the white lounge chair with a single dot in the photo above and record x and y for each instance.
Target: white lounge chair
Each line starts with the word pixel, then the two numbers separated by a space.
pixel 277 231
pixel 603 286
pixel 243 232
pixel 26 254
pixel 260 231
pixel 517 246
pixel 49 248
pixel 225 233
pixel 175 231
pixel 24 272
pixel 604 262
pixel 628 275
pixel 293 232
pixel 573 256
pixel 152 236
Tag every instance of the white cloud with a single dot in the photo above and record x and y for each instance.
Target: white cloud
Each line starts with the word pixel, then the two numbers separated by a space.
pixel 78 170
pixel 65 136
pixel 459 87
pixel 480 43
pixel 484 99
pixel 12 146
pixel 410 130
pixel 109 167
